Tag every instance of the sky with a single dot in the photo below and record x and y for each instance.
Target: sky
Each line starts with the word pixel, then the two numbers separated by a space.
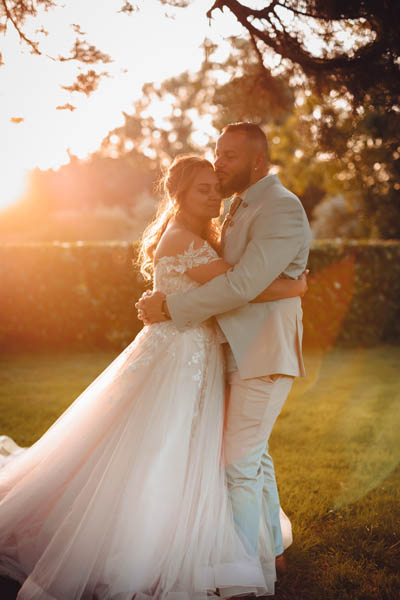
pixel 146 46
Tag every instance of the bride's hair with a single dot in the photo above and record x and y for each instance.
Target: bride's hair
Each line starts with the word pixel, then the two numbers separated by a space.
pixel 174 186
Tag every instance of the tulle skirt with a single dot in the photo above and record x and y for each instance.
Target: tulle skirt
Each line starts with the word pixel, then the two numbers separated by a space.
pixel 125 494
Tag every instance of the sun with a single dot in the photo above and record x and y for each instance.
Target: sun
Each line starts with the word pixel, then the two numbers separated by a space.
pixel 13 185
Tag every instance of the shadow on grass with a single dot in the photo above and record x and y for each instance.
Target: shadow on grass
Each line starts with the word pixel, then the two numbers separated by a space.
pixel 347 554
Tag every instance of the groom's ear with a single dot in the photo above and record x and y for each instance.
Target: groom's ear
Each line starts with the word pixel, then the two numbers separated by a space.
pixel 260 155
pixel 260 161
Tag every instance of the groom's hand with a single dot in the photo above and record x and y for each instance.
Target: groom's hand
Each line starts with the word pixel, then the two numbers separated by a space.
pixel 303 279
pixel 150 307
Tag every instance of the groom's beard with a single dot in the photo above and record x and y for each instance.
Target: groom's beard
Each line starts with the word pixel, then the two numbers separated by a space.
pixel 236 183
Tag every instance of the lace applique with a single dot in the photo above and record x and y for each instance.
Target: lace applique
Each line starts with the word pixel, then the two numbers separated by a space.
pixel 190 258
pixel 170 271
pixel 150 339
pixel 201 359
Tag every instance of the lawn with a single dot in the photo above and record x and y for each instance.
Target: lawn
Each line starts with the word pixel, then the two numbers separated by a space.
pixel 336 448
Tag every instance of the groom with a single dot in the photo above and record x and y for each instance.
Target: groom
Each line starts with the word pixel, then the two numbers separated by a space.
pixel 265 235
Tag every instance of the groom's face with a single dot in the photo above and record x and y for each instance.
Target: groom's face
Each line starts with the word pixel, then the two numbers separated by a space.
pixel 233 162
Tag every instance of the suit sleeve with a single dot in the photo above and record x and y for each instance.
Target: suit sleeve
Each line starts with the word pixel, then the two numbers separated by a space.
pixel 276 235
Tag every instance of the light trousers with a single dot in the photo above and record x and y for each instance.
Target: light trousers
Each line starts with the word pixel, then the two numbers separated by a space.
pixel 252 408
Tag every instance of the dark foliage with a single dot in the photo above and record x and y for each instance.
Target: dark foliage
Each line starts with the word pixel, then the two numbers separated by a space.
pixel 370 64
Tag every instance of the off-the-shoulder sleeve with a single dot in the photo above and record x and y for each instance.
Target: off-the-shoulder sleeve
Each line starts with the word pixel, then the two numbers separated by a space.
pixel 190 258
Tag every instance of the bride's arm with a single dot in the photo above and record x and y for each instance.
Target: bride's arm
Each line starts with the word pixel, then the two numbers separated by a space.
pixel 284 288
pixel 279 289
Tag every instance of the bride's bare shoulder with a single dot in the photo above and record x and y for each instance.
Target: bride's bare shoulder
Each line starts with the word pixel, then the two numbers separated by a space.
pixel 175 240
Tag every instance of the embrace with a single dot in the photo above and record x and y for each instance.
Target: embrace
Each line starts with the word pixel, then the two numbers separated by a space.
pixel 157 481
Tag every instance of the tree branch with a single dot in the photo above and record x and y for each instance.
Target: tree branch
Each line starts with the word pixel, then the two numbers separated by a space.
pixel 311 15
pixel 257 50
pixel 85 53
pixel 287 46
pixel 21 34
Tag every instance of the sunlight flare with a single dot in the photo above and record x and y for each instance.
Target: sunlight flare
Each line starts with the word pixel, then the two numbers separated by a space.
pixel 13 184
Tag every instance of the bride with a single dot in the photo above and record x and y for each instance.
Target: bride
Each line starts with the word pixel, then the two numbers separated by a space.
pixel 125 494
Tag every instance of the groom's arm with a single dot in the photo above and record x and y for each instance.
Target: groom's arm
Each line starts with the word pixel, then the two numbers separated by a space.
pixel 276 236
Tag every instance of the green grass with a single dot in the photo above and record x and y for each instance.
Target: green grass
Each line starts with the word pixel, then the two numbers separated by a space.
pixel 336 449
pixel 36 388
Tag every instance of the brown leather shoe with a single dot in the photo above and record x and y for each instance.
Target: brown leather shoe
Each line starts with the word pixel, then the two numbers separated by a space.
pixel 280 564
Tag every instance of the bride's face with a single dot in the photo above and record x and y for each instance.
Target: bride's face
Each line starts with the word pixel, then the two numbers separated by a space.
pixel 203 198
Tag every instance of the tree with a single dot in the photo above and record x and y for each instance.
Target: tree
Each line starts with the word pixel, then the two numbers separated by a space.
pixel 321 145
pixel 334 218
pixel 15 13
pixel 99 198
pixel 358 42
pixel 160 138
pixel 215 95
pixel 332 114
pixel 355 154
pixel 369 64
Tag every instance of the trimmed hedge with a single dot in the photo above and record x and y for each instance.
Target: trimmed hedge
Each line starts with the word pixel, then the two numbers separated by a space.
pixel 68 294
pixel 82 294
pixel 354 293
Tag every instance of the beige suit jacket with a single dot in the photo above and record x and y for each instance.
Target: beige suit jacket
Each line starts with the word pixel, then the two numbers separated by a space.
pixel 269 235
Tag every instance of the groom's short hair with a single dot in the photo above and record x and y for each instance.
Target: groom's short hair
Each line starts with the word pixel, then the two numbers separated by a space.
pixel 254 133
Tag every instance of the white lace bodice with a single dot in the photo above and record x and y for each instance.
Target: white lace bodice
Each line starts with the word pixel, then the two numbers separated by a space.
pixel 170 271
pixel 170 277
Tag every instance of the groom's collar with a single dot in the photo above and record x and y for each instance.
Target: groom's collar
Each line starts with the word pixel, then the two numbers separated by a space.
pixel 263 183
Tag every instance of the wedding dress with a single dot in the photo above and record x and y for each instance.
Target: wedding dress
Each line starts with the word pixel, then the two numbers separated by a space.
pixel 125 494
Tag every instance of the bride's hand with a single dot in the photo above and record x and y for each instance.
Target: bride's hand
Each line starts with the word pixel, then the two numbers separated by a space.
pixel 141 313
pixel 150 309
